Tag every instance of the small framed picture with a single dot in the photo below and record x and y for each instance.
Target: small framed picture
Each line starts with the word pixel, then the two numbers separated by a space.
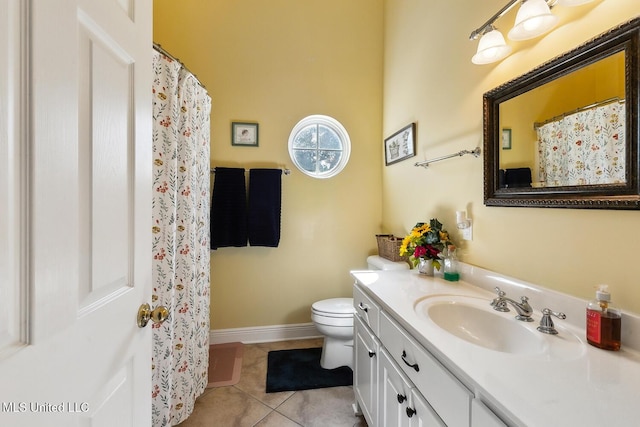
pixel 244 134
pixel 506 139
pixel 401 145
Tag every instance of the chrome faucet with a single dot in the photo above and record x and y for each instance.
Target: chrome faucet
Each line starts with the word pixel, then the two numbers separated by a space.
pixel 523 308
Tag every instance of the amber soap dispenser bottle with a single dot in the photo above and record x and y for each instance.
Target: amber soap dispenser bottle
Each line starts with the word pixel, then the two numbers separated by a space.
pixel 604 322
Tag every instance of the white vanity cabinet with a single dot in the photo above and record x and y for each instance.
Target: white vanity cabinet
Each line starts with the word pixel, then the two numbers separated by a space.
pixel 496 373
pixel 397 382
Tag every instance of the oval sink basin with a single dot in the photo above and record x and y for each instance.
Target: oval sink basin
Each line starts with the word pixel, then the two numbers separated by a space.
pixel 485 328
pixel 473 320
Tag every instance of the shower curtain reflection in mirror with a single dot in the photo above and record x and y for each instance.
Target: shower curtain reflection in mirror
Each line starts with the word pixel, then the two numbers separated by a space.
pixel 583 148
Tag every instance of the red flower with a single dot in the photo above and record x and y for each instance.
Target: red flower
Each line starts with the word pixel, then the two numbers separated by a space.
pixel 427 251
pixel 432 252
pixel 420 251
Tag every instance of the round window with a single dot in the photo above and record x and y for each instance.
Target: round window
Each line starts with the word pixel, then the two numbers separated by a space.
pixel 319 146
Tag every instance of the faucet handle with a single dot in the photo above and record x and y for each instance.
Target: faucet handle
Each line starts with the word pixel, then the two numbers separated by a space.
pixel 546 323
pixel 499 303
pixel 559 315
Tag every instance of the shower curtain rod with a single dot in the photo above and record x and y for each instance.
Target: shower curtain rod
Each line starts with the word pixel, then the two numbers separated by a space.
pixel 160 49
pixel 536 125
pixel 284 170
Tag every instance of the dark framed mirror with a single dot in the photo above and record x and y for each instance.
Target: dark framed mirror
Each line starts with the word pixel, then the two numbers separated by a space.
pixel 566 133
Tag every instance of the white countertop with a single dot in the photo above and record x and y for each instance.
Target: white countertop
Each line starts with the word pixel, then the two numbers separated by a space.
pixel 590 387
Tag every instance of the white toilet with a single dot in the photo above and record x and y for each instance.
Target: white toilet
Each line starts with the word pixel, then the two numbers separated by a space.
pixel 333 318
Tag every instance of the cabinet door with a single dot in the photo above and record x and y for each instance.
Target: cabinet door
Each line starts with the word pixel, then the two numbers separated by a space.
pixel 481 416
pixel 444 392
pixel 422 414
pixel 365 376
pixel 395 392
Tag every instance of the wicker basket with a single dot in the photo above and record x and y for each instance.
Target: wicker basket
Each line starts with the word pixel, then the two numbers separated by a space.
pixel 389 247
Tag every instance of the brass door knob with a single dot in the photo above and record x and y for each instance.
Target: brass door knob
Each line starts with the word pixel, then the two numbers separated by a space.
pixel 158 314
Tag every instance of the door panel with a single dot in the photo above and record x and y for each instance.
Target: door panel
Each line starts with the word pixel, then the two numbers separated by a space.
pixel 105 163
pixel 13 303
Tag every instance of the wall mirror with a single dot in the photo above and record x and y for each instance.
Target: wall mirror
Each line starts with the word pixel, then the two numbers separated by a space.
pixel 566 133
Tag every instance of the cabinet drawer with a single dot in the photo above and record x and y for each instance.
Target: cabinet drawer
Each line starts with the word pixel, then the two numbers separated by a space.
pixel 448 397
pixel 368 310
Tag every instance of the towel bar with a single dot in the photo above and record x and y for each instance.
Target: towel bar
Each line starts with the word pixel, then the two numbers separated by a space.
pixel 284 171
pixel 475 152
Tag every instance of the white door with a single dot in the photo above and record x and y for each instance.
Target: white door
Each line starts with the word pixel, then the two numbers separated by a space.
pixel 75 212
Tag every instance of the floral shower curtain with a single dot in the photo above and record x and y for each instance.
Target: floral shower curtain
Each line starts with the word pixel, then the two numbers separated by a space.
pixel 587 147
pixel 181 173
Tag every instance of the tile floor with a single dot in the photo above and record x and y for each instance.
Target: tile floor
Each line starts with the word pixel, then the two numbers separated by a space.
pixel 247 404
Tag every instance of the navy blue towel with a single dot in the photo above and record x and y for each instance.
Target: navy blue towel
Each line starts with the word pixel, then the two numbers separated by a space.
pixel 517 177
pixel 229 209
pixel 265 198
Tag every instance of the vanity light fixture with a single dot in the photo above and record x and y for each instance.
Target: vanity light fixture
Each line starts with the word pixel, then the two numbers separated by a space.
pixel 534 18
pixel 573 2
pixel 491 48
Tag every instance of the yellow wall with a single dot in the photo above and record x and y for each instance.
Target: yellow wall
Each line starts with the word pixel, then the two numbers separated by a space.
pixel 429 79
pixel 276 62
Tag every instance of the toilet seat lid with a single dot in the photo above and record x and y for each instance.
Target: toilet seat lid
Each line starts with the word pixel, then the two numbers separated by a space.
pixel 334 307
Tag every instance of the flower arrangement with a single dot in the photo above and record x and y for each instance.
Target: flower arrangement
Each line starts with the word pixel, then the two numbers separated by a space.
pixel 425 241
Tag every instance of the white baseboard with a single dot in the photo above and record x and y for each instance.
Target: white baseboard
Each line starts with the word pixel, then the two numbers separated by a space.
pixel 264 334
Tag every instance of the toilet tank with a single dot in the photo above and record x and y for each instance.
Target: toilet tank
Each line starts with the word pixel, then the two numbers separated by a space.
pixel 376 262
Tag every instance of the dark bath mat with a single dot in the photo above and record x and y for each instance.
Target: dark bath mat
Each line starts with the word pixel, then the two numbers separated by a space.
pixel 291 370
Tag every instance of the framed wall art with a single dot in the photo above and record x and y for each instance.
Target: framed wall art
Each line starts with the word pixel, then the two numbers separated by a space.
pixel 506 139
pixel 244 134
pixel 401 145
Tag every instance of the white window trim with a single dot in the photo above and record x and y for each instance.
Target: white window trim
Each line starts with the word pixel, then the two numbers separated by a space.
pixel 330 122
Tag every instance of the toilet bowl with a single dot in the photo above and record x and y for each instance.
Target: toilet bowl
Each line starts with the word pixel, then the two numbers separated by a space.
pixel 333 318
